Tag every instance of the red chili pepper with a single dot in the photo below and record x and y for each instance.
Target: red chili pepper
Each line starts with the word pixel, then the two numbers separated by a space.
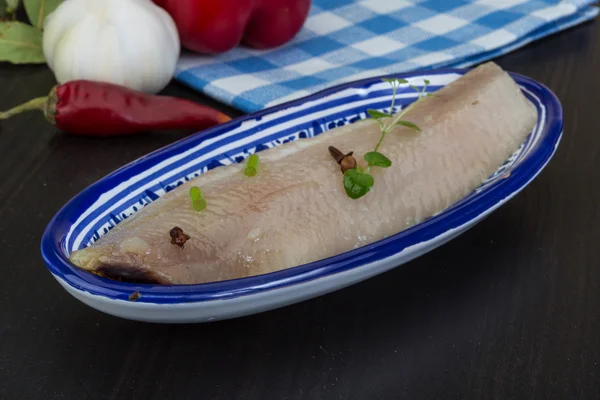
pixel 210 26
pixel 97 108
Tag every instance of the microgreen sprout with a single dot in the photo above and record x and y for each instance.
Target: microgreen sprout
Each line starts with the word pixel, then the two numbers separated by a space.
pixel 198 201
pixel 252 166
pixel 358 181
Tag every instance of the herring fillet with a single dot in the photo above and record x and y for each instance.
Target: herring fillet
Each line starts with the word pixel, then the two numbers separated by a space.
pixel 295 210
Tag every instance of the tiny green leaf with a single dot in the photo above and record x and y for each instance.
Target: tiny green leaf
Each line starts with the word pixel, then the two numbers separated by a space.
pixel 252 166
pixel 376 159
pixel 415 88
pixel 426 81
pixel 198 201
pixel 377 114
pixel 195 193
pixel 357 184
pixel 199 204
pixel 408 125
pixel 20 43
pixel 395 80
pixel 38 10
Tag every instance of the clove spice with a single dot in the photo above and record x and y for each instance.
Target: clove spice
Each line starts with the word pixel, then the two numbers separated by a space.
pixel 346 161
pixel 178 238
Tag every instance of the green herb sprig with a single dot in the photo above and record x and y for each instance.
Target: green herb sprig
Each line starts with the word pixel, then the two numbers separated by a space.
pixel 198 200
pixel 358 182
pixel 252 165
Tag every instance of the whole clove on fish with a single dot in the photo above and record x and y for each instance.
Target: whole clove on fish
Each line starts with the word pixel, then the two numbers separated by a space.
pixel 346 161
pixel 178 238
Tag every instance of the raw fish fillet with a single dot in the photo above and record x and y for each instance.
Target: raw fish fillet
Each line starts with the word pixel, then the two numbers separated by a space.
pixel 295 210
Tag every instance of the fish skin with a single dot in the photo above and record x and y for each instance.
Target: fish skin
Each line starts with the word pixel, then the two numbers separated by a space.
pixel 295 210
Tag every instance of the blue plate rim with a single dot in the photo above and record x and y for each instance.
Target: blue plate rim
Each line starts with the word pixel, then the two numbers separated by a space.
pixel 82 280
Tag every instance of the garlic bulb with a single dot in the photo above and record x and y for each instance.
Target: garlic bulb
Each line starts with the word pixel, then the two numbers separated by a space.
pixel 133 43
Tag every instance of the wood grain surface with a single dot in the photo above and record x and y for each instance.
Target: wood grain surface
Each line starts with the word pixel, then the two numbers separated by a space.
pixel 509 310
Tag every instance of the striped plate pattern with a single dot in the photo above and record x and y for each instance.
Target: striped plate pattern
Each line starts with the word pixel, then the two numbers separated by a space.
pixel 116 197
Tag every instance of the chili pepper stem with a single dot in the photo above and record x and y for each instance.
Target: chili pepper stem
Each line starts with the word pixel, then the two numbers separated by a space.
pixel 34 104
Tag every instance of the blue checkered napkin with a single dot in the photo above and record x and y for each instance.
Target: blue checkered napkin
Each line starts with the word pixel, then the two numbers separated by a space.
pixel 345 40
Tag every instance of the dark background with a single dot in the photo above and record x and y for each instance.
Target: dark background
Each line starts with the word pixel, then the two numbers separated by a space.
pixel 509 310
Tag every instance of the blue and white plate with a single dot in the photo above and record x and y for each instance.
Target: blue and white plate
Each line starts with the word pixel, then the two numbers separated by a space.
pixel 114 198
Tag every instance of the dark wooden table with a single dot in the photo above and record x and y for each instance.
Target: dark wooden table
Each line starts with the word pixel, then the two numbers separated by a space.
pixel 509 310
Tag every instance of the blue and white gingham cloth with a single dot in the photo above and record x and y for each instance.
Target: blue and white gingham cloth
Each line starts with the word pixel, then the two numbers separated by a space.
pixel 345 40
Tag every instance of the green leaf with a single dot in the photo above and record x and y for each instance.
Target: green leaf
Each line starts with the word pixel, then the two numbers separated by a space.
pixel 195 193
pixel 415 88
pixel 20 43
pixel 375 158
pixel 252 166
pixel 395 80
pixel 199 204
pixel 408 125
pixel 357 184
pixel 38 10
pixel 426 81
pixel 377 114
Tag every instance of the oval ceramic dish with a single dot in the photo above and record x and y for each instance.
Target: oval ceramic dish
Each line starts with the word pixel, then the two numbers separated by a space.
pixel 101 206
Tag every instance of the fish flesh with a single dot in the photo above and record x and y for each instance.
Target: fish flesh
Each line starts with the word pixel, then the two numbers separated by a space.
pixel 295 210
